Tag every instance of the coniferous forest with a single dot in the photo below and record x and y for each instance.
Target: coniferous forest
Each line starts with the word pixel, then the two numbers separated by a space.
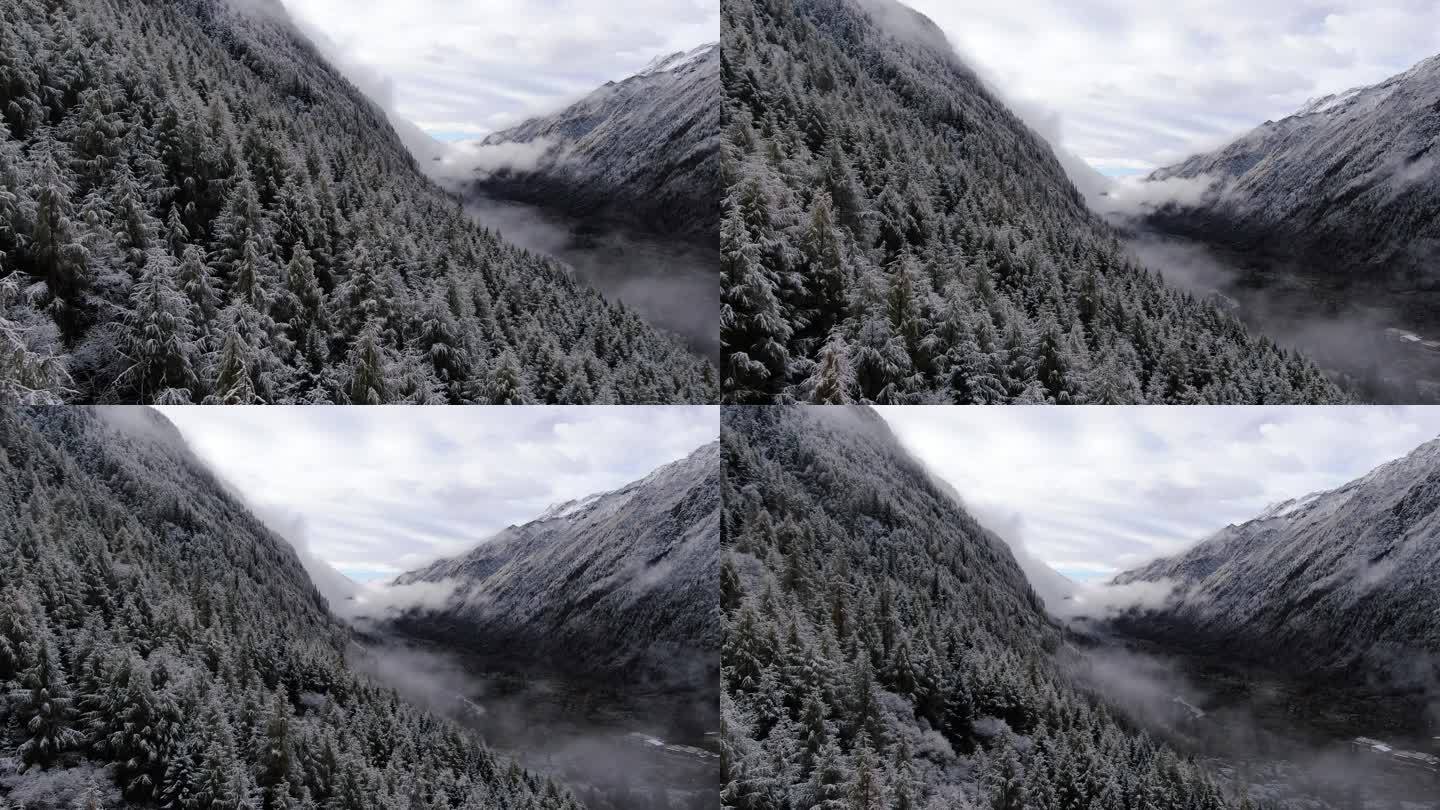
pixel 883 650
pixel 196 207
pixel 159 647
pixel 892 233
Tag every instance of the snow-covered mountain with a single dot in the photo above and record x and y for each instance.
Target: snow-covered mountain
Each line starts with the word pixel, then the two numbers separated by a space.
pixel 870 619
pixel 620 582
pixel 893 232
pixel 1349 185
pixel 210 212
pixel 643 151
pixel 1339 580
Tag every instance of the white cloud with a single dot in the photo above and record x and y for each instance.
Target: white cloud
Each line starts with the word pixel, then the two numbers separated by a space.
pixel 461 68
pixel 1141 84
pixel 461 161
pixel 1096 490
pixel 375 492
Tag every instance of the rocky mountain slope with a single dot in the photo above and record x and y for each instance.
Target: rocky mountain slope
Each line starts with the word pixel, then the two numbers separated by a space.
pixel 892 232
pixel 620 583
pixel 196 207
pixel 1335 582
pixel 642 152
pixel 882 648
pixel 1347 189
pixel 159 646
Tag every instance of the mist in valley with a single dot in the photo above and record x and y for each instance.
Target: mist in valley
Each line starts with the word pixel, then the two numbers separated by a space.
pixel 1283 742
pixel 1372 347
pixel 671 284
pixel 615 746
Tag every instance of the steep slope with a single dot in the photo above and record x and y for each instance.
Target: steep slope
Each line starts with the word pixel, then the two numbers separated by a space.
pixel 195 206
pixel 1347 189
pixel 157 640
pixel 1339 582
pixel 880 643
pixel 642 152
pixel 621 583
pixel 892 232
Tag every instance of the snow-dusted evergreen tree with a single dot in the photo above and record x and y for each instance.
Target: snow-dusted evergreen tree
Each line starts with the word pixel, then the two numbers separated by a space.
pixel 45 712
pixel 211 131
pixel 877 194
pixel 160 648
pixel 159 348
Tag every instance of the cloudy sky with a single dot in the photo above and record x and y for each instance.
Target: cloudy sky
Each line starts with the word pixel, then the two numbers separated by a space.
pixel 461 68
pixel 378 491
pixel 1096 490
pixel 1138 84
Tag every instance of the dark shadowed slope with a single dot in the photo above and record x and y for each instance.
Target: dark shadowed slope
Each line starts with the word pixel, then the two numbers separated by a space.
pixel 619 584
pixel 883 649
pixel 195 206
pixel 892 232
pixel 157 640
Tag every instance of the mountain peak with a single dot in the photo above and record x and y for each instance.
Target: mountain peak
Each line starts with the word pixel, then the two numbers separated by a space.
pixel 668 63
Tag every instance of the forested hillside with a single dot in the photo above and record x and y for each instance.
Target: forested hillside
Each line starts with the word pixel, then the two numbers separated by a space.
pixel 891 232
pixel 195 207
pixel 159 647
pixel 882 649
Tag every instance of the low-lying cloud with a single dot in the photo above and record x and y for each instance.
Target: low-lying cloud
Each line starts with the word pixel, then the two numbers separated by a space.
pixel 465 161
pixel 1137 197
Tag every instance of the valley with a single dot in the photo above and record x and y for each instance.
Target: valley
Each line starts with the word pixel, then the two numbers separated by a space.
pixel 671 285
pixel 583 643
pixel 616 745
pixel 1288 742
pixel 1376 343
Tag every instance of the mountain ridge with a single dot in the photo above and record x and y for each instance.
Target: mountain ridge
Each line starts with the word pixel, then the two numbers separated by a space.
pixel 620 582
pixel 1346 185
pixel 1337 582
pixel 893 233
pixel 641 152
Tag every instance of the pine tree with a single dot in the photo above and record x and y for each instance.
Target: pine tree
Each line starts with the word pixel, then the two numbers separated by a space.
pixel 45 713
pixel 28 376
pixel 231 375
pixel 194 280
pixel 56 251
pixel 833 379
pixel 368 381
pixel 159 338
pixel 507 383
pixel 753 330
pixel 277 760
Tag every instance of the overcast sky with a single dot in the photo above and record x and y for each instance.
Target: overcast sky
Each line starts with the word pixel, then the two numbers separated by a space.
pixel 1139 84
pixel 379 491
pixel 461 68
pixel 1096 490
